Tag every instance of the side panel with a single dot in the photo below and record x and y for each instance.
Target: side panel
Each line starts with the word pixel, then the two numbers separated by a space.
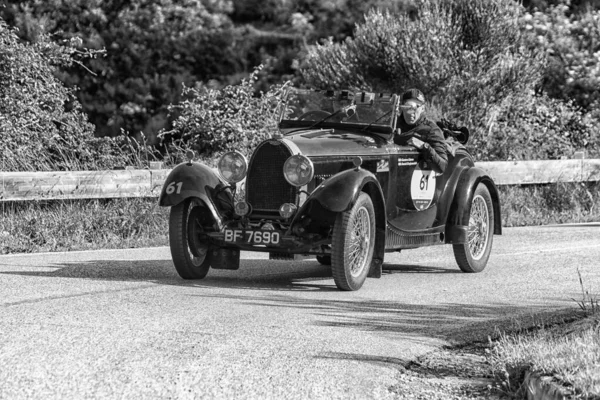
pixel 468 181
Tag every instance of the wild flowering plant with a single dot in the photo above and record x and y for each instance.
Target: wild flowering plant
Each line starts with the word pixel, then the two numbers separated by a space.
pixel 214 120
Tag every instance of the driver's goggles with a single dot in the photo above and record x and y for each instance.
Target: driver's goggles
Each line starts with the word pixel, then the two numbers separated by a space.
pixel 410 107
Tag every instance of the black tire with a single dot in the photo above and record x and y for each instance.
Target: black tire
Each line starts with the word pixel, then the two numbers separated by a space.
pixel 190 255
pixel 473 255
pixel 324 260
pixel 352 244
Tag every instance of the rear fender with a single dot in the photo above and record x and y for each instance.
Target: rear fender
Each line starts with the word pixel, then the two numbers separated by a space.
pixel 463 195
pixel 196 180
pixel 338 194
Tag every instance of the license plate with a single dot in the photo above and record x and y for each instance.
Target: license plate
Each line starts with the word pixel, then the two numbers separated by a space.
pixel 252 237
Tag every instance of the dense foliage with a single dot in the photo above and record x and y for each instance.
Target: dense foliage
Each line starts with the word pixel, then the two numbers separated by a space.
pixel 152 47
pixel 476 63
pixel 231 118
pixel 42 126
pixel 155 47
pixel 572 42
pixel 492 65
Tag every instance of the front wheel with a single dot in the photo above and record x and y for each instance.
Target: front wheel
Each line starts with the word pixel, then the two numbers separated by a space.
pixel 190 254
pixel 353 244
pixel 473 255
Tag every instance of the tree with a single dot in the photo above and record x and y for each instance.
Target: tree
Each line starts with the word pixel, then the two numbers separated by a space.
pixel 153 47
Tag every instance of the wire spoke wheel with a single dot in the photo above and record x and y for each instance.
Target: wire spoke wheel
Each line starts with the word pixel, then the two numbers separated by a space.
pixel 473 255
pixel 478 227
pixel 359 242
pixel 353 244
pixel 191 255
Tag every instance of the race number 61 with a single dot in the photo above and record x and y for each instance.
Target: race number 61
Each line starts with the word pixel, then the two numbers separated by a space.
pixel 174 187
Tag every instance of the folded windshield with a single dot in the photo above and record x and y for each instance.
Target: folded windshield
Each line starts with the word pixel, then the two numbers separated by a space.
pixel 316 107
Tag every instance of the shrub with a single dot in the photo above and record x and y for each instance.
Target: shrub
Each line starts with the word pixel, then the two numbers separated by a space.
pixel 41 124
pixel 464 55
pixel 480 64
pixel 152 47
pixel 529 127
pixel 572 42
pixel 231 118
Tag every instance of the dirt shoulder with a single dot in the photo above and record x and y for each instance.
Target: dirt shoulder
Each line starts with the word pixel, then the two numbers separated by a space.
pixel 464 370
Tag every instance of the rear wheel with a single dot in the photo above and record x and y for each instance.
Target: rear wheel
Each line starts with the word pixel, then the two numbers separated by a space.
pixel 473 255
pixel 353 244
pixel 190 254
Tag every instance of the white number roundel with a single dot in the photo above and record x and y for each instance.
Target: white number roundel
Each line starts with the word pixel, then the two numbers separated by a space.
pixel 422 187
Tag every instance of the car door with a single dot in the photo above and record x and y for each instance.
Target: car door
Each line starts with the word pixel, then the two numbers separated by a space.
pixel 414 191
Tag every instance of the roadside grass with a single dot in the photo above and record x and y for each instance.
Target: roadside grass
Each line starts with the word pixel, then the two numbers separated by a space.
pixel 569 353
pixel 555 203
pixel 49 226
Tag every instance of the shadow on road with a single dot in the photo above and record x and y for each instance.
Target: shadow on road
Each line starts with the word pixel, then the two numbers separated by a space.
pixel 253 274
pixel 456 323
pixel 417 269
pixel 278 284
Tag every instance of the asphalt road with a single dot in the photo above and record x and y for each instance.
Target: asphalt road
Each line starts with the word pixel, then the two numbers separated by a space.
pixel 120 324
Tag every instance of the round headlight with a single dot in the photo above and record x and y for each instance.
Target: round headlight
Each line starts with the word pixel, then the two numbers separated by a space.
pixel 298 170
pixel 232 166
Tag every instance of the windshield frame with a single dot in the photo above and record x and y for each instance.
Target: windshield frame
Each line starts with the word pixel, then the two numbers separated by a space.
pixel 327 104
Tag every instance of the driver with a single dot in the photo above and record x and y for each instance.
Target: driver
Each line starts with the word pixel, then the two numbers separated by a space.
pixel 415 129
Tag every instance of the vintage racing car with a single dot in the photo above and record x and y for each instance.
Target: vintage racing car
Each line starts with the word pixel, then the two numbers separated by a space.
pixel 331 183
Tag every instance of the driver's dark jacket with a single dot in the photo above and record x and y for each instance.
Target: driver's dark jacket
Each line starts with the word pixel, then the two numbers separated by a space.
pixel 427 131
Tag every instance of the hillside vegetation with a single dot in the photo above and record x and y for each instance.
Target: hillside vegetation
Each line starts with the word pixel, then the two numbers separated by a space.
pixel 524 78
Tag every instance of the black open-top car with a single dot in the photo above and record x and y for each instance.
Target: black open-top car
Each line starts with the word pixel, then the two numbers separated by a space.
pixel 331 183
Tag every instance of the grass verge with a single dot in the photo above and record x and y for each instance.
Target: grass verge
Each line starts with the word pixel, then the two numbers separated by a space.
pixel 554 203
pixel 567 352
pixel 43 226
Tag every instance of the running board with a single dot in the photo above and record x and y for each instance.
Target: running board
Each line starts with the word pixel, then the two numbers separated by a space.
pixel 396 239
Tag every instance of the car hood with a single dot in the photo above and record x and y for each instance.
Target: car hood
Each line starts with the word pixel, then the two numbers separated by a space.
pixel 336 142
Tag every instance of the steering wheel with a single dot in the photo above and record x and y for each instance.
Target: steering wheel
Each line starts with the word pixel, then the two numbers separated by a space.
pixel 314 115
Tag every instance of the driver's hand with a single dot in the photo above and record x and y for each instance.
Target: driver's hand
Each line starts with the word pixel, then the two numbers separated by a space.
pixel 416 143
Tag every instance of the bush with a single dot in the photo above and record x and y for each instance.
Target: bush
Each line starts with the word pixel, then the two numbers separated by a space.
pixel 480 64
pixel 152 47
pixel 41 124
pixel 533 127
pixel 231 118
pixel 572 42
pixel 463 55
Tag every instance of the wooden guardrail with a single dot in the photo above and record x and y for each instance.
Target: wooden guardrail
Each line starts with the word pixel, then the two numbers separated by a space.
pixel 24 186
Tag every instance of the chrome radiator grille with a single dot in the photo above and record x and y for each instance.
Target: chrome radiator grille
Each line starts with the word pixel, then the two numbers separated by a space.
pixel 266 188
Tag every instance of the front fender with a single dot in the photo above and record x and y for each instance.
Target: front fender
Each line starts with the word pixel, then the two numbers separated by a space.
pixel 338 193
pixel 463 194
pixel 196 180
